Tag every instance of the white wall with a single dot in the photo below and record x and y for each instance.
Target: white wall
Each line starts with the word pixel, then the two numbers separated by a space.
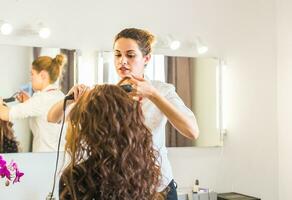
pixel 248 162
pixel 243 32
pixel 284 63
pixel 37 181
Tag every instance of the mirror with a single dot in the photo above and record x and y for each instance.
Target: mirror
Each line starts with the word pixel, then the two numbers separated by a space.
pixel 197 81
pixel 15 76
pixel 91 67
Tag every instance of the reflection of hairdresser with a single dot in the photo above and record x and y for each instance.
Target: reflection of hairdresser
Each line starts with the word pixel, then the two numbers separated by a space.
pixel 111 150
pixel 44 73
pixel 8 143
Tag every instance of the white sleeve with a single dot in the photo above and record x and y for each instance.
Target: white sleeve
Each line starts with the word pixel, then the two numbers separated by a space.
pixel 30 108
pixel 174 99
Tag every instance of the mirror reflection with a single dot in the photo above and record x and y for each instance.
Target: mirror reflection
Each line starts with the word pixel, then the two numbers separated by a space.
pixel 197 81
pixel 27 102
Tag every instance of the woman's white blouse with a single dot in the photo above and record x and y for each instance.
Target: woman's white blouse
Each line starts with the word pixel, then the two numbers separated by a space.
pixel 45 134
pixel 156 121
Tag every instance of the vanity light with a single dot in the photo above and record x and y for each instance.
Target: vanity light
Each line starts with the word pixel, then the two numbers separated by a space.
pixel 38 29
pixel 201 47
pixel 6 28
pixel 167 42
pixel 44 32
pixel 173 43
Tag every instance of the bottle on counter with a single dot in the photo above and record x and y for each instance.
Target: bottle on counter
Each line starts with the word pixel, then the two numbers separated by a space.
pixel 196 186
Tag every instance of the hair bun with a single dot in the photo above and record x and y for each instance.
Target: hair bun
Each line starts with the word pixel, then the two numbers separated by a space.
pixel 60 59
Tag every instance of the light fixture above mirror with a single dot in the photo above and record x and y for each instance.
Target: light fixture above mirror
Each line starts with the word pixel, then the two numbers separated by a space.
pixel 5 28
pixel 196 45
pixel 201 47
pixel 173 43
pixel 39 30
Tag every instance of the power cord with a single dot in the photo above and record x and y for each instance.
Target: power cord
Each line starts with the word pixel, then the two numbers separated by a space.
pixel 51 194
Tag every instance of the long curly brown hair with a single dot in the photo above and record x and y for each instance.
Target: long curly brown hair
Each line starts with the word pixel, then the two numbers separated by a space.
pixel 111 149
pixel 8 143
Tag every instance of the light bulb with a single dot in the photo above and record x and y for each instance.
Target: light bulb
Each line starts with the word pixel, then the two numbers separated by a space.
pixel 6 28
pixel 44 32
pixel 202 49
pixel 175 44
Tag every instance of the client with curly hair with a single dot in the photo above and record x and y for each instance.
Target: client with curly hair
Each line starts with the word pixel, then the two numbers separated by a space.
pixel 8 143
pixel 111 150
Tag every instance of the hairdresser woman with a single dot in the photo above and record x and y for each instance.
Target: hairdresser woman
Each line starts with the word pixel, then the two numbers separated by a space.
pixel 44 73
pixel 160 102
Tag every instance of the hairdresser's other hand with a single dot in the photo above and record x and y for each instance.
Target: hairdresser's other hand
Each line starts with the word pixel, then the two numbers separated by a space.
pixel 22 96
pixel 142 87
pixel 4 111
pixel 78 91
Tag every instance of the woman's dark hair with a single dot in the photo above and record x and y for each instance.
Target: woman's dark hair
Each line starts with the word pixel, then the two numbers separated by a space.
pixel 143 38
pixel 111 149
pixel 8 143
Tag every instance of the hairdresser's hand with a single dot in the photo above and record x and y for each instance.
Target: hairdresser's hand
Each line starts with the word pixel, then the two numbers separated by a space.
pixel 4 111
pixel 142 87
pixel 78 91
pixel 22 96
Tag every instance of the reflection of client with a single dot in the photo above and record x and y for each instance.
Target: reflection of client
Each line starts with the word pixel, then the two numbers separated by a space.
pixel 44 73
pixel 111 150
pixel 8 143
